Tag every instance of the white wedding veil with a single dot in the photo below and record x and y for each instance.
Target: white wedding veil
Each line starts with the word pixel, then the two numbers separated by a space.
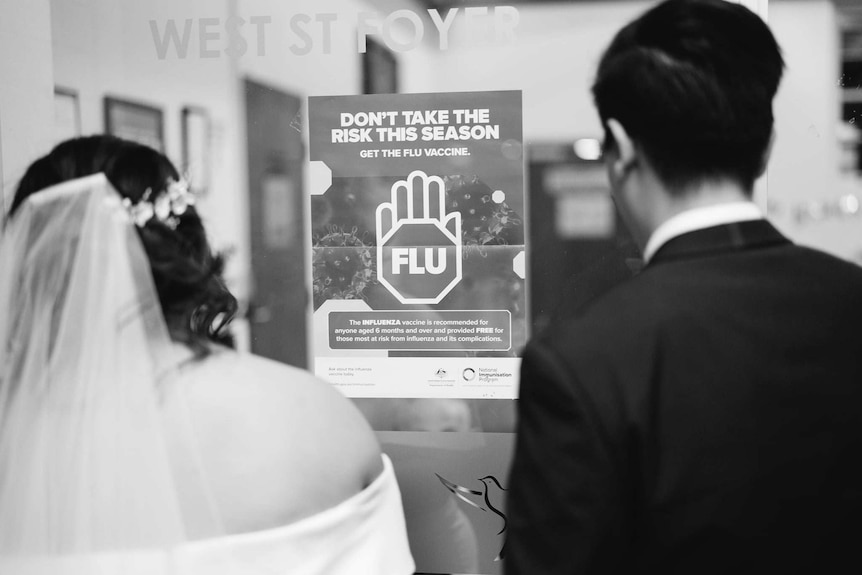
pixel 85 358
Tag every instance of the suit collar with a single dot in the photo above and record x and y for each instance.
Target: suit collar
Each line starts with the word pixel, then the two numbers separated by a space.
pixel 698 218
pixel 720 239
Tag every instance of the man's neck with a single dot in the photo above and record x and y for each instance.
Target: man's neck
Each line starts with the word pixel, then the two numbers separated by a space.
pixel 710 206
pixel 666 205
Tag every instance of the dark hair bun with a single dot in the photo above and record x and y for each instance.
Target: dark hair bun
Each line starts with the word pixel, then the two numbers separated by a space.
pixel 188 276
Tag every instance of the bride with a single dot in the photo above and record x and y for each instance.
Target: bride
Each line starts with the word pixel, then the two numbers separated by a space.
pixel 132 440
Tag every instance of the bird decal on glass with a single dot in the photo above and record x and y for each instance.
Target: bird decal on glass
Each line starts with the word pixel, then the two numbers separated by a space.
pixel 470 497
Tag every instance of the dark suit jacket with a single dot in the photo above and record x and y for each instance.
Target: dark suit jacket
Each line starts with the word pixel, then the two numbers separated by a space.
pixel 703 417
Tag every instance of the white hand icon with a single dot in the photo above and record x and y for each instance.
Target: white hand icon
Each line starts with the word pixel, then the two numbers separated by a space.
pixel 420 199
pixel 418 244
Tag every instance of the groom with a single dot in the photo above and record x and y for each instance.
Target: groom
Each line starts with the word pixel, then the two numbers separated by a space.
pixel 706 416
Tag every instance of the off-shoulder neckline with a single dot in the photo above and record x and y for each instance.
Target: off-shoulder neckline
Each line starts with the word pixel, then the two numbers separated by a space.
pixel 369 493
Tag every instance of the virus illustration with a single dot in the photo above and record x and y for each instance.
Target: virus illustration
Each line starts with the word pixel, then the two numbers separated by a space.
pixel 343 266
pixel 484 222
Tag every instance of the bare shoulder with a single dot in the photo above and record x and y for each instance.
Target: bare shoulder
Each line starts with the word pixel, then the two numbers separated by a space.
pixel 279 443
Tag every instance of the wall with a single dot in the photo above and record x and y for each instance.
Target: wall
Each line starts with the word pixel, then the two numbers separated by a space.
pixel 805 160
pixel 554 58
pixel 320 71
pixel 27 89
pixel 105 47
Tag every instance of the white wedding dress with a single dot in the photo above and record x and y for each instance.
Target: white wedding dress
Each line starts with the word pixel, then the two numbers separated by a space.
pixel 87 478
pixel 362 535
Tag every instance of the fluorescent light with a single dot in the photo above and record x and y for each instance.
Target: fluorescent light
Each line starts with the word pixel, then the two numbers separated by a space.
pixel 588 149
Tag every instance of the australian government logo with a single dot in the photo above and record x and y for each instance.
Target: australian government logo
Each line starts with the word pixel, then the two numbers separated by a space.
pixel 442 378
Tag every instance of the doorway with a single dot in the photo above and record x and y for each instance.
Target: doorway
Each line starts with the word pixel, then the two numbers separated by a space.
pixel 279 299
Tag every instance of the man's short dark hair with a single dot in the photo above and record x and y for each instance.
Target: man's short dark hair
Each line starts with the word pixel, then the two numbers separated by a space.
pixel 692 82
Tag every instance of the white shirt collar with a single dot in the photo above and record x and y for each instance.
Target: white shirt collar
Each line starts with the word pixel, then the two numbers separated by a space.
pixel 698 219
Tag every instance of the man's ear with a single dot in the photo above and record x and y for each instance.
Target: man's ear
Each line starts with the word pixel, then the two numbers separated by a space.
pixel 627 154
pixel 764 161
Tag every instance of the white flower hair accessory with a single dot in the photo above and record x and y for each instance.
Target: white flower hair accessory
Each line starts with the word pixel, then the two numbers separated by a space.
pixel 167 206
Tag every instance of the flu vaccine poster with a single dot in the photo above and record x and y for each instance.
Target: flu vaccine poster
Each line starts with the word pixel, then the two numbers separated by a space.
pixel 418 243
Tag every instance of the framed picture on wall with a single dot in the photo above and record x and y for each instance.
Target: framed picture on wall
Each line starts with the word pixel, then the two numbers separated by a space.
pixel 197 138
pixel 379 69
pixel 67 114
pixel 135 121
